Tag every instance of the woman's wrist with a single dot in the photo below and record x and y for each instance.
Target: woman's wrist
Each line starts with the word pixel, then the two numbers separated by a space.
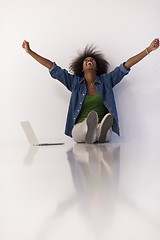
pixel 148 50
pixel 29 51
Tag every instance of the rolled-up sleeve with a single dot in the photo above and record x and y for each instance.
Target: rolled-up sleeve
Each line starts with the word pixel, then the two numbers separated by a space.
pixel 52 68
pixel 123 69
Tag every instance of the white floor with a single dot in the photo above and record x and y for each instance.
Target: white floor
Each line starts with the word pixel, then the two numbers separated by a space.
pixel 85 192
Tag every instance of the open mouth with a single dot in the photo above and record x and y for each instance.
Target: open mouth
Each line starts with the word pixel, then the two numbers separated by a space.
pixel 89 63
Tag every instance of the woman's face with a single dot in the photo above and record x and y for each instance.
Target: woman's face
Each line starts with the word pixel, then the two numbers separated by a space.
pixel 89 63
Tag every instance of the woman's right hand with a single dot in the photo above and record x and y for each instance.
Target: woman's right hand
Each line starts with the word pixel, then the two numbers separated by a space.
pixel 26 46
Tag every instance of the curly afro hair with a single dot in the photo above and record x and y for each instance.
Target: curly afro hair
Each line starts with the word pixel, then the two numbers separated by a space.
pixel 76 66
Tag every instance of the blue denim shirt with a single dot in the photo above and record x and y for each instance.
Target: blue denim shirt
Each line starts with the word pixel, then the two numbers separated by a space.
pixel 104 85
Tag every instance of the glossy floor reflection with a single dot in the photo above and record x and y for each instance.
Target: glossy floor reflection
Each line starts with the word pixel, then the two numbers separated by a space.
pixel 80 191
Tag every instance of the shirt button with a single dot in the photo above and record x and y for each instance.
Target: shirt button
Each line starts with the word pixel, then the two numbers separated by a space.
pixel 80 102
pixel 74 118
pixel 83 94
pixel 77 110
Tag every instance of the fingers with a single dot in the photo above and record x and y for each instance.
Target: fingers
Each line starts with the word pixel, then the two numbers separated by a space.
pixel 156 42
pixel 25 45
pixel 25 42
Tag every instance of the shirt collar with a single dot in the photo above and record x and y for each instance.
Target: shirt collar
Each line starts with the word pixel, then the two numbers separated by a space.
pixel 97 80
pixel 81 80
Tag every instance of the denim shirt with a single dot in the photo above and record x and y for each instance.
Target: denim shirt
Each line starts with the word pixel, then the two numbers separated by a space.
pixel 104 85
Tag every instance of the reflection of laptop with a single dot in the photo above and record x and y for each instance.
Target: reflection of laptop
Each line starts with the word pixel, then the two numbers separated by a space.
pixel 32 137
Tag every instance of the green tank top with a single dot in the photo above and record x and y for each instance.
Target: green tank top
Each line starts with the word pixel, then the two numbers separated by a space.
pixel 92 103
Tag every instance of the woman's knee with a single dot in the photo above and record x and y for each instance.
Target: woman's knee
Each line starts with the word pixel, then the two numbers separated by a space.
pixel 79 132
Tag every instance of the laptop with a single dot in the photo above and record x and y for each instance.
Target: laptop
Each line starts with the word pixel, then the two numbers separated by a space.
pixel 32 137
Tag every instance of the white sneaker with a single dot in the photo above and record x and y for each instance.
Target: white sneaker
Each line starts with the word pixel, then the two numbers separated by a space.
pixel 92 123
pixel 105 125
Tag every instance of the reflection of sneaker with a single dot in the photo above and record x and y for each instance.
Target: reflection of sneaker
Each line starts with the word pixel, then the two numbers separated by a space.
pixel 92 123
pixel 105 125
pixel 94 160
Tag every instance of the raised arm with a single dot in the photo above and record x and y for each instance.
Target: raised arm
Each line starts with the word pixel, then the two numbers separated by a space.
pixel 45 62
pixel 133 60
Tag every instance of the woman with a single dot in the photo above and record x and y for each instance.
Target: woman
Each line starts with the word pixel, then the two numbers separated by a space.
pixel 92 110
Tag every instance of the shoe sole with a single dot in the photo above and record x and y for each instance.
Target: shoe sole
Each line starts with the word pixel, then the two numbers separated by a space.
pixel 92 123
pixel 106 125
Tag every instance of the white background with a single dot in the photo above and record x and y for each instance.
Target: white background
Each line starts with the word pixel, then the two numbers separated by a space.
pixel 57 30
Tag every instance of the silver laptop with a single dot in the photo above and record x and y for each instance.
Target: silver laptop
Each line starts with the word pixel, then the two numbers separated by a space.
pixel 32 137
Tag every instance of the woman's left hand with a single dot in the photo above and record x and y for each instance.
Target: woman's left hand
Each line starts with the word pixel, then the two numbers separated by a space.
pixel 154 44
